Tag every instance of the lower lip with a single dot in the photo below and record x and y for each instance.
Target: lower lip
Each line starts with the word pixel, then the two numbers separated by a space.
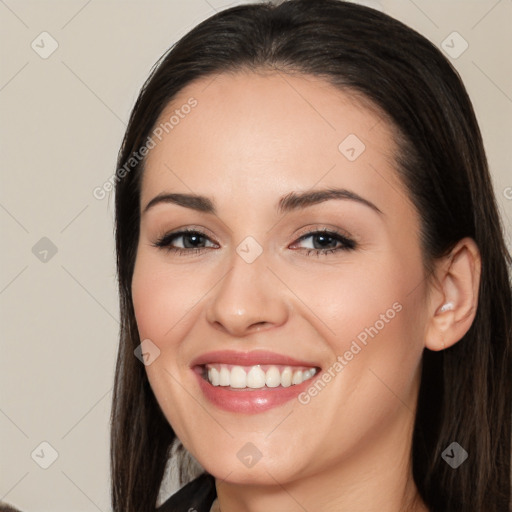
pixel 250 401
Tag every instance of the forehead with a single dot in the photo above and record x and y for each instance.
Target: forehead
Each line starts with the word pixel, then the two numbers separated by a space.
pixel 253 129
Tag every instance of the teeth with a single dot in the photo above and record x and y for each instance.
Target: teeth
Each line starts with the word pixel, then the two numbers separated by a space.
pixel 213 375
pixel 255 377
pixel 286 377
pixel 297 377
pixel 225 378
pixel 238 377
pixel 273 377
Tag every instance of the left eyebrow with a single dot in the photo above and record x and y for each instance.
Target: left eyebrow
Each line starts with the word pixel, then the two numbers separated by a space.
pixel 294 201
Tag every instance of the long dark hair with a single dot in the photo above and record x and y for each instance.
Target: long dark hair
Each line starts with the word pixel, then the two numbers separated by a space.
pixel 465 392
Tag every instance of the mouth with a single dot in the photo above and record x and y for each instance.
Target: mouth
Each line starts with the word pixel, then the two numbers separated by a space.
pixel 251 382
pixel 260 376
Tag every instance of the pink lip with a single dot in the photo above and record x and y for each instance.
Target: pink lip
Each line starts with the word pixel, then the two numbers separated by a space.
pixel 249 401
pixel 248 358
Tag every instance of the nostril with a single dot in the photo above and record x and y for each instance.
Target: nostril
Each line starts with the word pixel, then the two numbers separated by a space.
pixel 259 325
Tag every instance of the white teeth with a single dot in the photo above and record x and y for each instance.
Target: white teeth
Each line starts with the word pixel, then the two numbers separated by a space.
pixel 238 377
pixel 286 377
pixel 255 377
pixel 273 377
pixel 224 378
pixel 297 377
pixel 213 374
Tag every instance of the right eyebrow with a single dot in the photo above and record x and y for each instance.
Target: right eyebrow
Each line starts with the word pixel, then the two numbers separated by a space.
pixel 195 202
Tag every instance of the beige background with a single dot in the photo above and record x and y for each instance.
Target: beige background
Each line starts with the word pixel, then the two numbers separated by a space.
pixel 62 120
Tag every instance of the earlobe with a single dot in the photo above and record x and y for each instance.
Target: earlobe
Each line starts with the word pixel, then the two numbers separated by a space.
pixel 454 299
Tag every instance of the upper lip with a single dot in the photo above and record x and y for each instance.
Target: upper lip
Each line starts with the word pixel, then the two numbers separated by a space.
pixel 252 358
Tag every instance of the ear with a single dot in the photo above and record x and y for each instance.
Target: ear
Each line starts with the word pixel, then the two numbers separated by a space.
pixel 453 295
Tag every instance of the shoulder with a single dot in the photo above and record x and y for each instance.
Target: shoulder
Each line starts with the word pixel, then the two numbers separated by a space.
pixel 196 496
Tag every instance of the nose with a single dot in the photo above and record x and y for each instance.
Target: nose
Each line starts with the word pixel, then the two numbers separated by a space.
pixel 248 299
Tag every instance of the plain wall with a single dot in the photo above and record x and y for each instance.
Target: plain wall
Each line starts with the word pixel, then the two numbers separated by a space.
pixel 62 120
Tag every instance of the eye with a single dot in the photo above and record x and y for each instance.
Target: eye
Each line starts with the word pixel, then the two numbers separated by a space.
pixel 324 242
pixel 320 242
pixel 185 241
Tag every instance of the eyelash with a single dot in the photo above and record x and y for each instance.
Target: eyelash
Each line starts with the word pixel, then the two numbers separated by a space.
pixel 165 242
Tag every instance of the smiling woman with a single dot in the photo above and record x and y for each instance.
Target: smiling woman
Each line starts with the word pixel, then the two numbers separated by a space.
pixel 313 274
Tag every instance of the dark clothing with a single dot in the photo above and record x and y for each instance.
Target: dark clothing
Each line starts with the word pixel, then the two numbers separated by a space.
pixel 196 496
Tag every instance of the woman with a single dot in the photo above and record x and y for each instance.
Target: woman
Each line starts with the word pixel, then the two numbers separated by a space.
pixel 312 272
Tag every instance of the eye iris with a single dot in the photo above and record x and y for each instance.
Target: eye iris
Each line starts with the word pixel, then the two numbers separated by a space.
pixel 192 240
pixel 325 241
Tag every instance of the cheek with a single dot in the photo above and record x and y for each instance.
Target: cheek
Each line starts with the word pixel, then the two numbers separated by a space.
pixel 374 332
pixel 161 297
pixel 385 327
pixel 163 300
pixel 154 306
pixel 353 299
pixel 374 319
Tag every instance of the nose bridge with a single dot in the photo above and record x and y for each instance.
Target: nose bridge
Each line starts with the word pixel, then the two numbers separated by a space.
pixel 246 298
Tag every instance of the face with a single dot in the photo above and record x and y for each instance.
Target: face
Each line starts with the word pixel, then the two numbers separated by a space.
pixel 285 305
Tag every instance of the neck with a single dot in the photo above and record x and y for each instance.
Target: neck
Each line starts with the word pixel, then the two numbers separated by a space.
pixel 376 479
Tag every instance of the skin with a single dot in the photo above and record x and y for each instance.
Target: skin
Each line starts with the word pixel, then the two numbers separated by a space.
pixel 253 138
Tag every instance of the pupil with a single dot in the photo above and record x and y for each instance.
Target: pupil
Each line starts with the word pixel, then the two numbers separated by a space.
pixel 194 238
pixel 324 241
